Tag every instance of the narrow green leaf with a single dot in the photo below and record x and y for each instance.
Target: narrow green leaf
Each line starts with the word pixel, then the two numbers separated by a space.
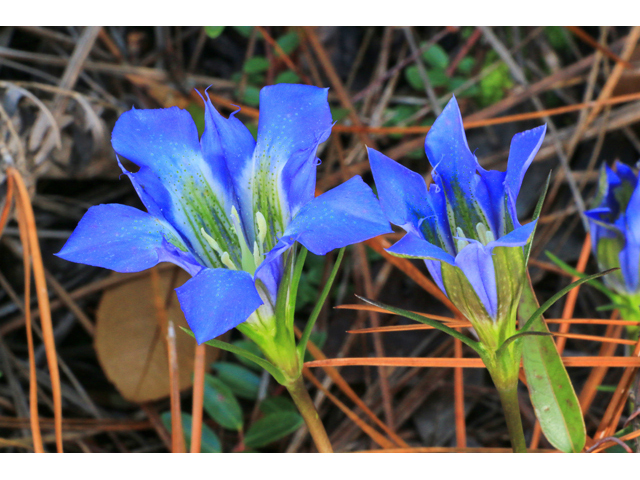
pixel 271 428
pixel 210 443
pixel 428 321
pixel 277 404
pixel 252 348
pixel 243 382
pixel 569 269
pixel 552 395
pixel 546 305
pixel 536 215
pixel 518 336
pixel 302 345
pixel 269 367
pixel 220 403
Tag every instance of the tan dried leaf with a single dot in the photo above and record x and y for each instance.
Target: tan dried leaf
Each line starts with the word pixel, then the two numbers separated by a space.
pixel 130 344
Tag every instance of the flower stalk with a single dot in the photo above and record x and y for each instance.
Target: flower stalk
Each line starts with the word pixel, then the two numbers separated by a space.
pixel 308 411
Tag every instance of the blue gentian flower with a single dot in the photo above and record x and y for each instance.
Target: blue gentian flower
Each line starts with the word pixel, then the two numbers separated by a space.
pixel 227 209
pixel 464 225
pixel 615 229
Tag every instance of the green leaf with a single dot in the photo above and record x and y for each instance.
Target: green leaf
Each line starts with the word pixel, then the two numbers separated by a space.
pixel 210 443
pixel 251 96
pixel 428 321
pixel 466 65
pixel 287 77
pixel 412 75
pixel 437 76
pixel 552 395
pixel 277 404
pixel 256 65
pixel 339 113
pixel 271 428
pixel 288 42
pixel 213 32
pixel 244 31
pixel 243 382
pixel 220 403
pixel 197 113
pixel 436 57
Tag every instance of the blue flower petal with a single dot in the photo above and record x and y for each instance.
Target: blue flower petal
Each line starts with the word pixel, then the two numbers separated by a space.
pixel 228 146
pixel 175 179
pixel 402 192
pixel 516 238
pixel 294 120
pixel 630 254
pixel 346 214
pixel 217 300
pixel 123 239
pixel 414 246
pixel 625 173
pixel 476 263
pixel 456 169
pixel 524 146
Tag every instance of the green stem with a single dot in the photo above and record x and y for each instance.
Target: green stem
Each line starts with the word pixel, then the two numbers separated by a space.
pixel 509 398
pixel 308 411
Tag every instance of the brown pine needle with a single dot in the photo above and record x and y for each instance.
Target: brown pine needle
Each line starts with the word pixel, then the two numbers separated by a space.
pixel 167 328
pixel 342 384
pixel 38 446
pixel 462 362
pixel 26 221
pixel 370 431
pixel 198 398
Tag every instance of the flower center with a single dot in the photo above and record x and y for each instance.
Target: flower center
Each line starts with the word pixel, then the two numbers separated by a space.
pixel 250 259
pixel 483 235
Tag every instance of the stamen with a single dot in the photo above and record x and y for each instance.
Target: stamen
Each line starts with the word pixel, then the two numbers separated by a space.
pixel 460 241
pixel 484 234
pixel 262 228
pixel 226 260
pixel 211 241
pixel 257 257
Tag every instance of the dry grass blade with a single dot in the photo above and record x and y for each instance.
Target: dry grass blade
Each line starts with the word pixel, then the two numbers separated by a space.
pixel 27 223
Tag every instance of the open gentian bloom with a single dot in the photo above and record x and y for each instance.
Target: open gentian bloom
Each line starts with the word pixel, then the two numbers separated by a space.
pixel 464 225
pixel 615 229
pixel 228 209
